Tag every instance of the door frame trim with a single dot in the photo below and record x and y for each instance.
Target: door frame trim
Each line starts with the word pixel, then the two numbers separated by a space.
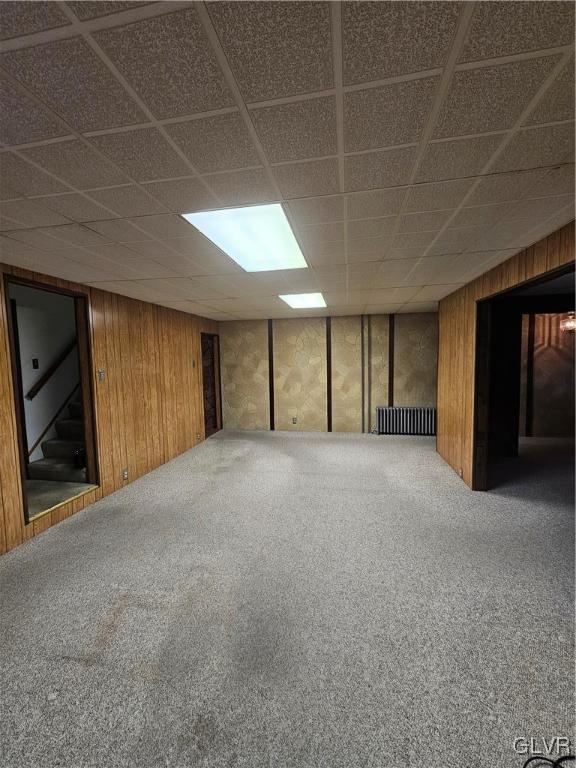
pixel 86 371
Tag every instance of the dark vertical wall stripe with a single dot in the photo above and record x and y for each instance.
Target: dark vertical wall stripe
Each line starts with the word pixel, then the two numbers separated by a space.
pixel 363 368
pixel 390 360
pixel 530 376
pixel 369 372
pixel 271 370
pixel 329 373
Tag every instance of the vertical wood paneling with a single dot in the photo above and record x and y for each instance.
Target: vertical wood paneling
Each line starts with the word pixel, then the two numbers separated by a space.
pixel 148 409
pixel 457 339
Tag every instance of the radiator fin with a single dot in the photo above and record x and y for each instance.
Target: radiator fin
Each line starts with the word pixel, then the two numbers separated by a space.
pixel 406 420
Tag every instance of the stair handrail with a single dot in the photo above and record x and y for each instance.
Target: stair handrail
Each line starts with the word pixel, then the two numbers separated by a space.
pixel 50 371
pixel 52 420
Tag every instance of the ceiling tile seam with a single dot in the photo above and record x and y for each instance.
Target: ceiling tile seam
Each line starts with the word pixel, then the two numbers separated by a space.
pixel 131 92
pixel 539 53
pixel 464 23
pixel 163 121
pixel 222 59
pixel 234 110
pixel 74 135
pixel 94 25
pixel 336 35
pixel 230 79
pixel 509 136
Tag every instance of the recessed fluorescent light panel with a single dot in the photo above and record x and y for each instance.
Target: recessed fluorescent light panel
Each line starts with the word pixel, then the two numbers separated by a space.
pixel 303 300
pixel 258 238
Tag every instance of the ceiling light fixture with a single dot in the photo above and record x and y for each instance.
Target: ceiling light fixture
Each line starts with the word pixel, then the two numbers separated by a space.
pixel 258 237
pixel 303 300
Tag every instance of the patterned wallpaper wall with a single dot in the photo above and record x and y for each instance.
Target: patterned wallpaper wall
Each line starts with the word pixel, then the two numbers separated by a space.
pixel 346 374
pixel 415 357
pixel 360 351
pixel 244 374
pixel 300 390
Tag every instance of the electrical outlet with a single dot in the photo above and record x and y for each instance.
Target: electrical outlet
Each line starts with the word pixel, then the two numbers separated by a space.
pixel 197 435
pixel 125 473
pixel 294 420
pixel 101 374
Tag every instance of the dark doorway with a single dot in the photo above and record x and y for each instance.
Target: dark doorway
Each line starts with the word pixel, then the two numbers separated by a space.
pixel 51 370
pixel 211 384
pixel 524 387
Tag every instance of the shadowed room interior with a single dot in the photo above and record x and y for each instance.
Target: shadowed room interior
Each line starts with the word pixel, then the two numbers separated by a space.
pixel 287 332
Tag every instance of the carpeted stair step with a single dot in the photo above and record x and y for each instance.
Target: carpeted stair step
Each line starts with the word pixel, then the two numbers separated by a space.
pixel 55 469
pixel 75 410
pixel 70 429
pixel 61 449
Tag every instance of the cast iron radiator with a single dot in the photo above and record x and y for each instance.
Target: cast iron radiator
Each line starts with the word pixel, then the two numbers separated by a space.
pixel 401 420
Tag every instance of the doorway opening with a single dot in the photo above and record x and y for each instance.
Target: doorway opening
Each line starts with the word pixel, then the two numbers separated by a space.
pixel 50 352
pixel 211 384
pixel 524 388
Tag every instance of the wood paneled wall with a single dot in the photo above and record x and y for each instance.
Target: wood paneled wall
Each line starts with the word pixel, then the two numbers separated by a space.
pixel 149 407
pixel 457 342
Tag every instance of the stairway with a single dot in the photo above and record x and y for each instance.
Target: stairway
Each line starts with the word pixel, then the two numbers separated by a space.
pixel 59 451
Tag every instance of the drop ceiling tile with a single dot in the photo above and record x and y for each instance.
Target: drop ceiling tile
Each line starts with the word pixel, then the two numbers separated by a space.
pixel 120 230
pixel 414 307
pixel 118 252
pixel 297 130
pixel 372 227
pixel 398 294
pixel 507 234
pixel 320 234
pixel 216 143
pixel 276 49
pixel 169 62
pixel 76 163
pixel 242 187
pixel 537 147
pixel 382 309
pixel 182 195
pixel 75 234
pixel 313 210
pixel 425 221
pixel 456 240
pixel 387 115
pixel 383 40
pixel 85 9
pixel 383 168
pixel 164 226
pixel 144 154
pixel 404 253
pixel 323 255
pixel 24 178
pixel 536 209
pixel 152 249
pixel 503 29
pixel 315 177
pixel 196 264
pixel 393 272
pixel 413 240
pixel 376 203
pixel 435 292
pixel 458 158
pixel 368 248
pixel 28 213
pixel 500 188
pixel 430 271
pixel 22 119
pixel 557 181
pixel 439 196
pixel 25 18
pixel 69 76
pixel 347 309
pixel 485 215
pixel 491 98
pixel 558 101
pixel 134 269
pixel 128 201
pixel 76 207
